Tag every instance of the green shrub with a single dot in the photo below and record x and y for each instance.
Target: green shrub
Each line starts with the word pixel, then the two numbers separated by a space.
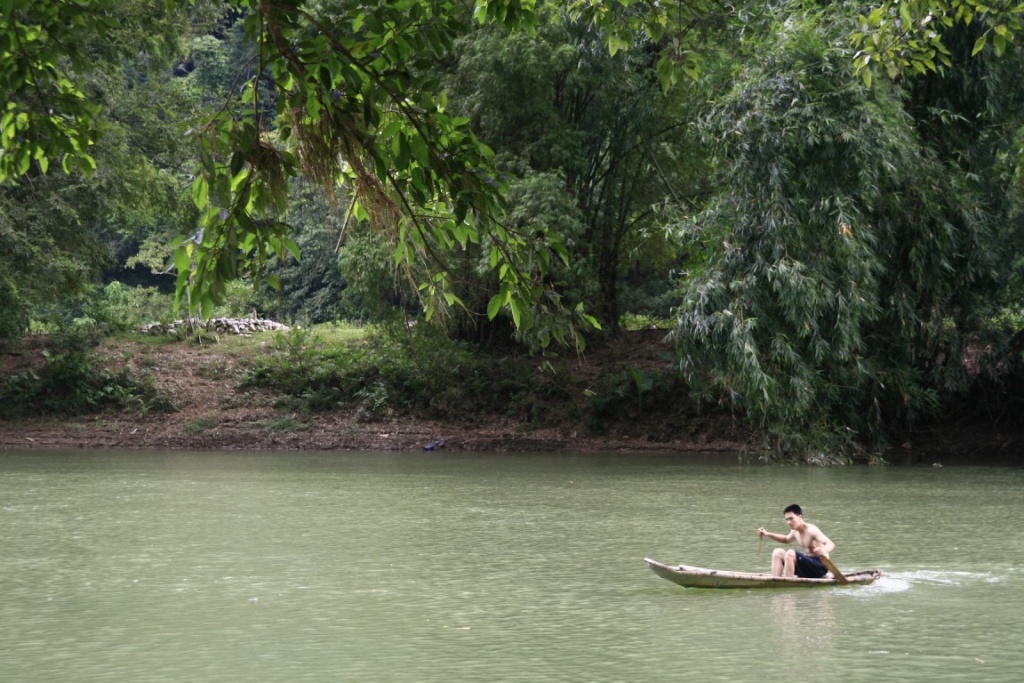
pixel 395 371
pixel 70 383
pixel 122 308
pixel 640 321
pixel 98 311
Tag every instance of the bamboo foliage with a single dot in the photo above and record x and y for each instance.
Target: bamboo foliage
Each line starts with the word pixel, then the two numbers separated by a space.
pixel 827 254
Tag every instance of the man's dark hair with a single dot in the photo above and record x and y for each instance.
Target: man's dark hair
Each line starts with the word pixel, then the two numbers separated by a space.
pixel 795 509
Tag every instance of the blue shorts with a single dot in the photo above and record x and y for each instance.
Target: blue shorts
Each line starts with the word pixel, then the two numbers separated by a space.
pixel 809 567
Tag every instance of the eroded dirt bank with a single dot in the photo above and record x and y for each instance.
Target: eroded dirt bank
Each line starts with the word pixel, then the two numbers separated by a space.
pixel 213 414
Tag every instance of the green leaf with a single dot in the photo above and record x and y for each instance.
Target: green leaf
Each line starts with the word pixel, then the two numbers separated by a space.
pixel 979 44
pixel 207 305
pixel 519 311
pixel 904 10
pixel 494 306
pixel 86 164
pixel 419 150
pixel 999 41
pixel 183 259
pixel 200 192
pixel 293 248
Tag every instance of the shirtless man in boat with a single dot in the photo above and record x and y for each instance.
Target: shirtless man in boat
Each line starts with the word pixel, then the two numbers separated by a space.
pixel 815 543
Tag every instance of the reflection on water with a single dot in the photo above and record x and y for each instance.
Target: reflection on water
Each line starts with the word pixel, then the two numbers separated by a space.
pixel 151 567
pixel 803 620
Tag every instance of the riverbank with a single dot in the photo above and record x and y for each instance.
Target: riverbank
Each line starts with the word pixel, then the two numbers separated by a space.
pixel 337 431
pixel 213 412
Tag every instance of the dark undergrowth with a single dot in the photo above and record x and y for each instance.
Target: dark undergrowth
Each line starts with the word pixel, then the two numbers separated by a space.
pixel 71 381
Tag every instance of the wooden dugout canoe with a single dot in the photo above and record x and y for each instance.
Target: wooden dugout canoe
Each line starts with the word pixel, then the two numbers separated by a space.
pixel 698 577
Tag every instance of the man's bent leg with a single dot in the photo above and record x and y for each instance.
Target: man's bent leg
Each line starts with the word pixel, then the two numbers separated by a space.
pixel 778 560
pixel 790 568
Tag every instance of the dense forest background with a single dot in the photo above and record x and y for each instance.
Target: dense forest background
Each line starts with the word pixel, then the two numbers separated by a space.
pixel 823 216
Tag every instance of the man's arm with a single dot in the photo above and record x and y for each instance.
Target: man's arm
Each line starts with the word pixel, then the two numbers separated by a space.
pixel 778 538
pixel 822 544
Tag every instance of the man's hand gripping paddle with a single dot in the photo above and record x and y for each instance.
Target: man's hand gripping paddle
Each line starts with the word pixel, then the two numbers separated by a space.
pixel 832 568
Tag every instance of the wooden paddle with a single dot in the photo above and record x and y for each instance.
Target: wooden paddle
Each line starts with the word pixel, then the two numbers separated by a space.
pixel 840 579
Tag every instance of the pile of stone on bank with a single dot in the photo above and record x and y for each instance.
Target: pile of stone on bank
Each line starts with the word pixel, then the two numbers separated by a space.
pixel 242 326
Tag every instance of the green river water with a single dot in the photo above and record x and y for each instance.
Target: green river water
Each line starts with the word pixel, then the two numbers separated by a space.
pixel 145 567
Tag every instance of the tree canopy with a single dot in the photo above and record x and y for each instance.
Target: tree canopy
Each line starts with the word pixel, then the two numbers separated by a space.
pixel 354 99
